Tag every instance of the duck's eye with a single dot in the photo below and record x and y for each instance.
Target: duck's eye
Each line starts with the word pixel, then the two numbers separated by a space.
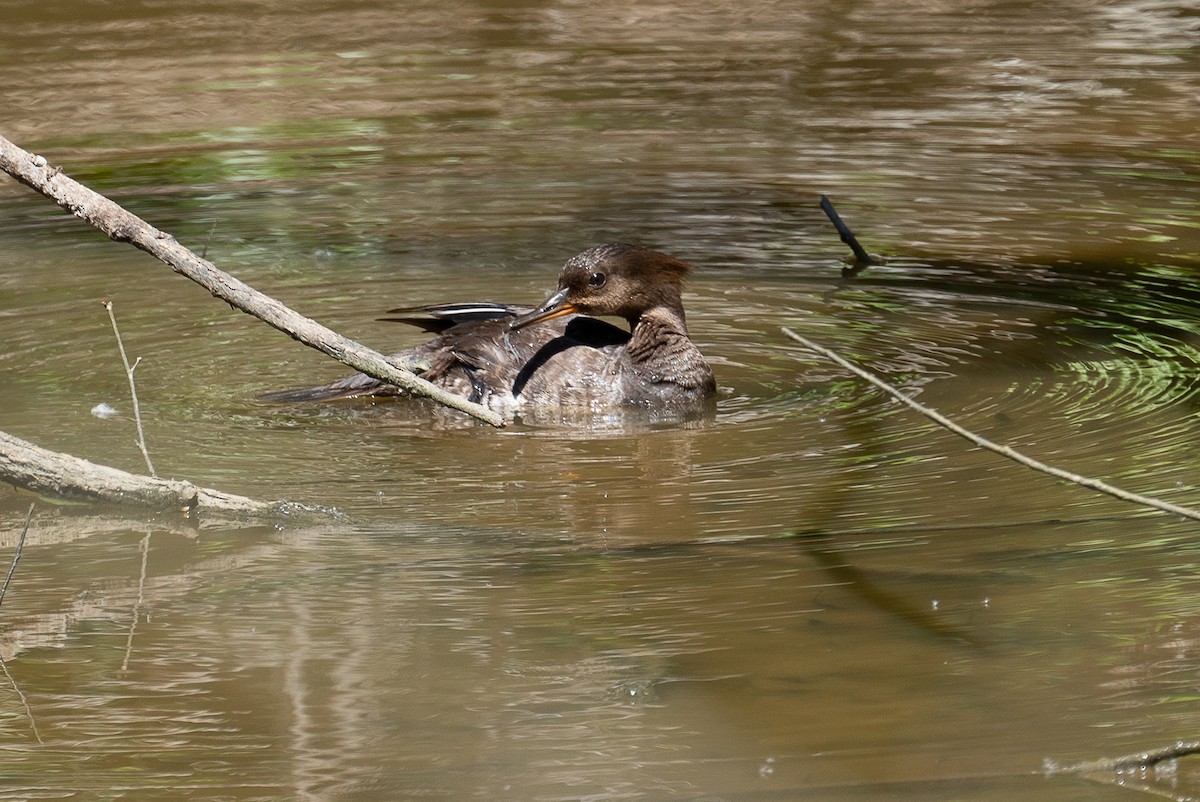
pixel 596 280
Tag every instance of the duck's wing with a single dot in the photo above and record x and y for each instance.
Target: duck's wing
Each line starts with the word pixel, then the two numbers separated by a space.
pixel 481 358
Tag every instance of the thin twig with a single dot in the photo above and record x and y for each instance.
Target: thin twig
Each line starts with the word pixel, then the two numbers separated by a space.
pixel 137 605
pixel 24 701
pixel 207 240
pixel 1138 760
pixel 1005 451
pixel 17 553
pixel 129 369
pixel 4 590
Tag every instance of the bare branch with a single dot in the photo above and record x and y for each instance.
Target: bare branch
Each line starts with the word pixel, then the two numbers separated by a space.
pixel 1005 451
pixel 129 369
pixel 122 226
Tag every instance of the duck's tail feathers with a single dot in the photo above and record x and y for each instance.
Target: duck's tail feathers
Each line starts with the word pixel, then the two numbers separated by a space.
pixel 438 318
pixel 359 385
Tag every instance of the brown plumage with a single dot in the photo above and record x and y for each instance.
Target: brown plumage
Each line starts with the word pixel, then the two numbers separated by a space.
pixel 558 355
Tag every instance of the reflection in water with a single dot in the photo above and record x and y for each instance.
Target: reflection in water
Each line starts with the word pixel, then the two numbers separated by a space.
pixel 556 670
pixel 549 612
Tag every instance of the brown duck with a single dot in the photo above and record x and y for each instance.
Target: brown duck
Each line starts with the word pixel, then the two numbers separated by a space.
pixel 558 355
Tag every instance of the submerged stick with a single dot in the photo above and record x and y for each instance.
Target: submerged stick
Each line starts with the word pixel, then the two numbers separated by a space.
pixel 137 605
pixel 24 701
pixel 137 410
pixel 17 553
pixel 122 226
pixel 1136 761
pixel 1005 451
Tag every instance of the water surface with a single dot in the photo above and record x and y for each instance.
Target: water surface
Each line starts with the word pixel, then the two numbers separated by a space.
pixel 813 594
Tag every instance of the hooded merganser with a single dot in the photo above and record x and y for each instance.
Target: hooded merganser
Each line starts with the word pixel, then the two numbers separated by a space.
pixel 556 356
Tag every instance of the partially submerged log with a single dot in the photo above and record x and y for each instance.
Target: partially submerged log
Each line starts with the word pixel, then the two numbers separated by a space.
pixel 52 473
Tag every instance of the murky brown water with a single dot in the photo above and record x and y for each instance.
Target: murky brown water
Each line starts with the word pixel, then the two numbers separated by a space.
pixel 553 613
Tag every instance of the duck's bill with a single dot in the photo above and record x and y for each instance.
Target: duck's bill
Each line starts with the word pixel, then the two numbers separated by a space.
pixel 555 306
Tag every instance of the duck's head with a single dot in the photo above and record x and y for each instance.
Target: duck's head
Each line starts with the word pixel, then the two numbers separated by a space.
pixel 613 280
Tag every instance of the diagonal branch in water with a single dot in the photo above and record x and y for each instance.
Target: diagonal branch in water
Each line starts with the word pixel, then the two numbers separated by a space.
pixel 17 553
pixel 3 591
pixel 129 369
pixel 24 701
pixel 122 226
pixel 1136 761
pixel 1152 772
pixel 861 257
pixel 1004 451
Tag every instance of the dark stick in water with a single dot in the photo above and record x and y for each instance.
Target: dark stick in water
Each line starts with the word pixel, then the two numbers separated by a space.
pixel 861 257
pixel 17 554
